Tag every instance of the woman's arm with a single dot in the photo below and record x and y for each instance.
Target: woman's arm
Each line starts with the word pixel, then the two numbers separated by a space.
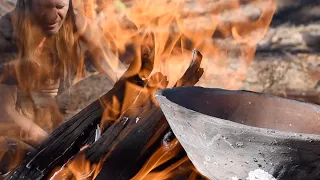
pixel 8 88
pixel 103 58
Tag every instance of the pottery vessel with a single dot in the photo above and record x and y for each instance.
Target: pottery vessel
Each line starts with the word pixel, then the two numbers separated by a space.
pixel 228 134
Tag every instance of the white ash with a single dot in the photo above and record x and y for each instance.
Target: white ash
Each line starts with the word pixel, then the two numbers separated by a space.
pixel 257 174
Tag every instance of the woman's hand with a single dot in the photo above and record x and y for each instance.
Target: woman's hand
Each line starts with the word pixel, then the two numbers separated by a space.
pixel 46 96
pixel 8 97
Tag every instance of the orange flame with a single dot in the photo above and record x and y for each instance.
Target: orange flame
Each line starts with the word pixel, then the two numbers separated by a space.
pixel 179 26
pixel 78 168
pixel 162 155
pixel 171 29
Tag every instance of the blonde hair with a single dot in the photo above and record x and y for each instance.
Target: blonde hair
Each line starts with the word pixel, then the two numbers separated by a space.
pixel 31 71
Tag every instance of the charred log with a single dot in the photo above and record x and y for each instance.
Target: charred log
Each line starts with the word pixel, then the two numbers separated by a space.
pixel 66 141
pixel 125 155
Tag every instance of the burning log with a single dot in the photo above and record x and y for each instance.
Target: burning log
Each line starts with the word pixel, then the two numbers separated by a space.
pixel 125 154
pixel 133 129
pixel 228 134
pixel 65 141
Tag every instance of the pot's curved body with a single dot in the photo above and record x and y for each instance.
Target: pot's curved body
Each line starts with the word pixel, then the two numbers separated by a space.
pixel 227 134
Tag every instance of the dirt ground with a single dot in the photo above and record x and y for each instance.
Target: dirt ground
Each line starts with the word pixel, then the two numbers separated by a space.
pixel 288 56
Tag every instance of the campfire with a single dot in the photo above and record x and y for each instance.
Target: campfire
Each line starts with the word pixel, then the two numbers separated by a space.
pixel 124 134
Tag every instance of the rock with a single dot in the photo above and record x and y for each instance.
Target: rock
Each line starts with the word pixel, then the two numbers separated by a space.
pixel 312 40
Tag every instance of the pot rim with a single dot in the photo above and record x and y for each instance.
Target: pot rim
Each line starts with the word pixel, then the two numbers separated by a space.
pixel 274 133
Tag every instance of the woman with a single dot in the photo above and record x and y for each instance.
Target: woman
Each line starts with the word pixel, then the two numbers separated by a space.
pixel 42 43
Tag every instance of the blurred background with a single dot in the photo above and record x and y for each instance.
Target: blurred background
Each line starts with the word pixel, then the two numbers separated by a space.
pixel 284 60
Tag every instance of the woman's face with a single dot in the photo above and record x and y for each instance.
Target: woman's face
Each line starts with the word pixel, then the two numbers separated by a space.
pixel 50 14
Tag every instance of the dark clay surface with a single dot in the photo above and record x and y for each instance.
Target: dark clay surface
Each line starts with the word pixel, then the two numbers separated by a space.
pixel 230 133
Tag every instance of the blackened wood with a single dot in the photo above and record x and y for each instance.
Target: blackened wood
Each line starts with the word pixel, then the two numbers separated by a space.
pixel 194 71
pixel 67 139
pixel 62 144
pixel 71 136
pixel 124 156
pixel 123 152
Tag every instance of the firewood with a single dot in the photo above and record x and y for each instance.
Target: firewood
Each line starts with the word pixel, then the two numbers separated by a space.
pixel 62 144
pixel 124 155
pixel 193 73
pixel 124 150
pixel 65 141
pixel 70 137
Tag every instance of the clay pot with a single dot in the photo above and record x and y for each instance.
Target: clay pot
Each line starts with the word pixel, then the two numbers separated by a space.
pixel 229 134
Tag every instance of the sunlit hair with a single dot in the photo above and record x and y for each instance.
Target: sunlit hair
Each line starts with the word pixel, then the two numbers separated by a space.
pixel 32 71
